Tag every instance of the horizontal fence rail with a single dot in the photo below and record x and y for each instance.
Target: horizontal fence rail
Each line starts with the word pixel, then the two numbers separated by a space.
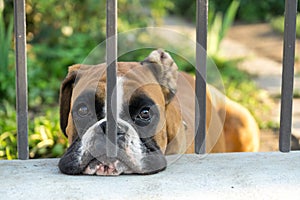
pixel 111 59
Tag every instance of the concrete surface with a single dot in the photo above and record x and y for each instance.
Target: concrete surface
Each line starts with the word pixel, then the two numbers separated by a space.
pixel 213 176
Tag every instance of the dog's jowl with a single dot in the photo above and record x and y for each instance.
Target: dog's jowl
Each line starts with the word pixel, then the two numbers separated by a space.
pixel 155 117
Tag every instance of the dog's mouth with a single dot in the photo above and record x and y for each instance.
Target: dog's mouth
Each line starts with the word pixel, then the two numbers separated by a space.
pixel 75 161
pixel 104 168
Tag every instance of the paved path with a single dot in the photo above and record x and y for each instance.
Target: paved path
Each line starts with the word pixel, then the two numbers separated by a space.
pixel 262 50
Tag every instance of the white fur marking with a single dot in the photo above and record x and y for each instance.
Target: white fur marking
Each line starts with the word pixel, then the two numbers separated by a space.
pixel 87 137
pixel 120 95
pixel 133 146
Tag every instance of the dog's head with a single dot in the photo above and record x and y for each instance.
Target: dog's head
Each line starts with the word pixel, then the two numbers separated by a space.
pixel 143 91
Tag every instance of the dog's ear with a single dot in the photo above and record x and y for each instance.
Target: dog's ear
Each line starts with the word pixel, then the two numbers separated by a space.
pixel 165 70
pixel 65 95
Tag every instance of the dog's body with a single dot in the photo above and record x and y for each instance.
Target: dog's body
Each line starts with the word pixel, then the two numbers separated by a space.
pixel 155 117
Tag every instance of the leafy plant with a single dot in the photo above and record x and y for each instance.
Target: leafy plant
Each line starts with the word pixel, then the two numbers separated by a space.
pixel 249 10
pixel 45 137
pixel 8 141
pixel 259 10
pixel 6 55
pixel 219 26
pixel 5 38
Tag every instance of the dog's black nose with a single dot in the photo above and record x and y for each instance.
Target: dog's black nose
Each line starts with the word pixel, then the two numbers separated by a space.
pixel 120 130
pixel 103 127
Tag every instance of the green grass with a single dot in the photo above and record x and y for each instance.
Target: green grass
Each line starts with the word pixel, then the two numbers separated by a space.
pixel 278 25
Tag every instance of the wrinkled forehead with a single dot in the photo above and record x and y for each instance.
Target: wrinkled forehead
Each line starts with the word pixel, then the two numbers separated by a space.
pixel 88 79
pixel 132 79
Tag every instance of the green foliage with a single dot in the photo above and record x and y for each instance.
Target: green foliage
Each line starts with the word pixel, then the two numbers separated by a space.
pixel 88 17
pixel 48 66
pixel 5 40
pixel 255 11
pixel 6 57
pixel 296 94
pixel 219 25
pixel 249 10
pixel 159 9
pixel 278 24
pixel 45 137
pixel 8 139
pixel 185 8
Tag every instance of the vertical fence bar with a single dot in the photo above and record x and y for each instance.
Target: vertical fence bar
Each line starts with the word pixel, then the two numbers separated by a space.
pixel 200 107
pixel 287 75
pixel 111 60
pixel 21 78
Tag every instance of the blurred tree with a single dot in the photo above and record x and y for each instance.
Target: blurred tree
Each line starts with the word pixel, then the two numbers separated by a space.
pixel 249 10
pixel 49 20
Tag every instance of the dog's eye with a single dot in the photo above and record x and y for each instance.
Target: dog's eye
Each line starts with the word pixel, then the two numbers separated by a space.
pixel 145 114
pixel 83 110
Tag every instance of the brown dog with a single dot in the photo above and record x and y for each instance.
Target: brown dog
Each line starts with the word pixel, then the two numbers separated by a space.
pixel 155 109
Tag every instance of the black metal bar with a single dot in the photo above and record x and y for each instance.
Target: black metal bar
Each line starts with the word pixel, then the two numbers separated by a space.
pixel 200 107
pixel 111 60
pixel 21 79
pixel 287 75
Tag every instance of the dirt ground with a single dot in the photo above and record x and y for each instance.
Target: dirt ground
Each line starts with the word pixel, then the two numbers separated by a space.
pixel 269 141
pixel 263 40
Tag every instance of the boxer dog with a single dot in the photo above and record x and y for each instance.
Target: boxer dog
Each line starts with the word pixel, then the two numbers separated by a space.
pixel 155 117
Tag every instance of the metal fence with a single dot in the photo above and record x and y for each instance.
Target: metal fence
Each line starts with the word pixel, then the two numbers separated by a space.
pixel 111 52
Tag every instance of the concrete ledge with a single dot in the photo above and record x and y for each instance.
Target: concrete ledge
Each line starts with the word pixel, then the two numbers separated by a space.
pixel 214 176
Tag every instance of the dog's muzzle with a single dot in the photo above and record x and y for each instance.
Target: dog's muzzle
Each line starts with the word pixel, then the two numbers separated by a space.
pixel 88 154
